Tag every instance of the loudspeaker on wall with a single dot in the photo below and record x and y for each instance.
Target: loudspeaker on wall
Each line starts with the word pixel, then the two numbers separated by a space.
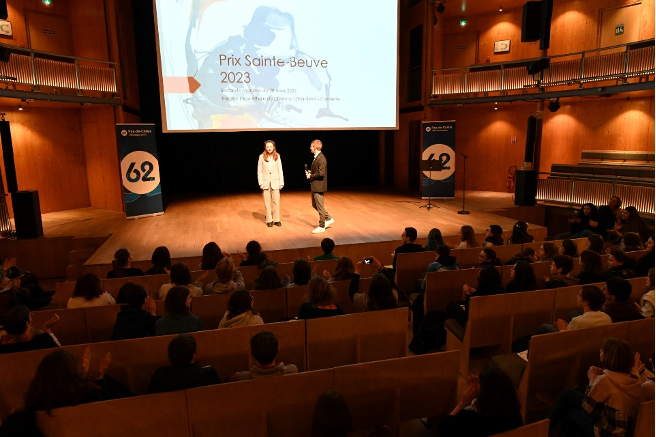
pixel 531 21
pixel 27 214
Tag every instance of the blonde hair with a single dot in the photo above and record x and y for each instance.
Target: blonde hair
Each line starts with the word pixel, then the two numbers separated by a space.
pixel 321 292
pixel 225 270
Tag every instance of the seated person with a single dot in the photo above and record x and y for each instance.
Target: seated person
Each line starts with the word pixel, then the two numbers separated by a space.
pixel 255 256
pixel 138 318
pixel 89 293
pixel 122 266
pixel 343 270
pixel 488 257
pixel 302 272
pixel 327 245
pixel 180 275
pixel 527 255
pixel 618 304
pixel 522 278
pixel 228 278
pixel 489 284
pixel 184 372
pixel 322 301
pixel 240 311
pixel 467 238
pixel 569 248
pixel 408 238
pixel 269 279
pixel 520 234
pixel 21 336
pixel 647 300
pixel 493 236
pixel 644 264
pixel 433 240
pixel 212 254
pixel 381 294
pixel 488 406
pixel 591 300
pixel 264 349
pixel 332 416
pixel 161 260
pixel 561 267
pixel 547 251
pixel 631 242
pixel 443 261
pixel 592 271
pixel 619 264
pixel 8 271
pixel 595 243
pixel 178 318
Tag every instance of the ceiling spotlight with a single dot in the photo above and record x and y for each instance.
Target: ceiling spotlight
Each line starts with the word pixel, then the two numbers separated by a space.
pixel 440 7
pixel 500 8
pixel 463 22
pixel 495 106
pixel 554 105
pixel 20 107
pixel 46 2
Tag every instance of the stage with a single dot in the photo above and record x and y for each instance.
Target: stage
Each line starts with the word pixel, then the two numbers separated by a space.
pixel 233 220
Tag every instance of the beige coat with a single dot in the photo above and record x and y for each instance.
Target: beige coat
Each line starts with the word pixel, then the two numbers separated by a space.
pixel 270 176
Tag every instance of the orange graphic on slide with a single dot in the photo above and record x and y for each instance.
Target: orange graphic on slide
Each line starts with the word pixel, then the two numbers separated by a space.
pixel 176 85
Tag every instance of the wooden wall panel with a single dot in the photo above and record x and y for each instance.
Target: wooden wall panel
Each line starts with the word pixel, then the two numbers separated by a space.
pixel 87 20
pixel 607 124
pixel 101 153
pixel 49 156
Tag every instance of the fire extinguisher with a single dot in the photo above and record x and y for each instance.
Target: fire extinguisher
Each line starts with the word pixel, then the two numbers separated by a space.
pixel 510 184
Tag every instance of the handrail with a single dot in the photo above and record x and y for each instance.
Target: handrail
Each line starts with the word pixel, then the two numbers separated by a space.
pixel 50 54
pixel 610 178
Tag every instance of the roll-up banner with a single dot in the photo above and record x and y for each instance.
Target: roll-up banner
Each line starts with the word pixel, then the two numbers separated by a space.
pixel 438 160
pixel 139 170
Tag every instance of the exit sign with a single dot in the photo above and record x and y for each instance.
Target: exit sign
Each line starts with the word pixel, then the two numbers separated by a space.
pixel 619 29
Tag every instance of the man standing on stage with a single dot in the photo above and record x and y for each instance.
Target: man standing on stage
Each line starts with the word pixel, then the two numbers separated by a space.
pixel 318 177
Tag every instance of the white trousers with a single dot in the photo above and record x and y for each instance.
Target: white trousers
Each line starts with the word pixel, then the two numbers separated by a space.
pixel 271 204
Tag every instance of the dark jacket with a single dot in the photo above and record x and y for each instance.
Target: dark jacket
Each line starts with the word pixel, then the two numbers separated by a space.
pixel 127 273
pixel 406 248
pixel 134 323
pixel 514 286
pixel 590 278
pixel 319 174
pixel 622 311
pixel 644 264
pixel 307 311
pixel 623 271
pixel 561 281
pixel 174 378
pixel 39 341
pixel 155 270
pixel 470 423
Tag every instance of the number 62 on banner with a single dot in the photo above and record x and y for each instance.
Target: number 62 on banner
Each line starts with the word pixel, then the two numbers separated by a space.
pixel 140 172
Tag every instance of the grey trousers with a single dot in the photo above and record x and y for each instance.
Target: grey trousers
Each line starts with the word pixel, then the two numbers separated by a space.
pixel 317 203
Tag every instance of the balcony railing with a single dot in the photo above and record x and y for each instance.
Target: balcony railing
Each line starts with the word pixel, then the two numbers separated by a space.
pixel 79 76
pixel 576 189
pixel 617 62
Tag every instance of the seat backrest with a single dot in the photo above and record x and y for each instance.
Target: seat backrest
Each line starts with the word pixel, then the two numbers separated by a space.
pixel 100 322
pixel 645 419
pixel 638 288
pixel 356 338
pixel 63 292
pixel 296 295
pixel 71 328
pixel 270 304
pixel 445 287
pixel 410 267
pixel 158 415
pixel 342 297
pixel 210 309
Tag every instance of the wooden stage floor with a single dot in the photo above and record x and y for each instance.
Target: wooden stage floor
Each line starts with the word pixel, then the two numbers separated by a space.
pixel 232 220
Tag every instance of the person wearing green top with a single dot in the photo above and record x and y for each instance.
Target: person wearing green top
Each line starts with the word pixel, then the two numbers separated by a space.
pixel 327 245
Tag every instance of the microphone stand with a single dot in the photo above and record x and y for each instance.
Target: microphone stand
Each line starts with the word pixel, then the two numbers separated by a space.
pixel 464 189
pixel 428 206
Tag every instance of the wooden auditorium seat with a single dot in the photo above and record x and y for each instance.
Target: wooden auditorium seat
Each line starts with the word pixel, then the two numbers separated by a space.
pixel 645 419
pixel 445 287
pixel 356 338
pixel 537 429
pixel 410 267
pixel 270 304
pixel 158 415
pixel 565 301
pixel 100 322
pixel 398 390
pixel 210 309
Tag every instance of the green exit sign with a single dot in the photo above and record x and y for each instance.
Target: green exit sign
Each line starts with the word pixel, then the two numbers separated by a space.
pixel 619 29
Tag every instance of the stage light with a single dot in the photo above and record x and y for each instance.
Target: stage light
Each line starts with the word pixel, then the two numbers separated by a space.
pixel 500 8
pixel 20 107
pixel 440 7
pixel 495 106
pixel 47 2
pixel 554 105
pixel 463 22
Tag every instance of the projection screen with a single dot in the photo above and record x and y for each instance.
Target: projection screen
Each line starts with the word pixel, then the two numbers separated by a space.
pixel 239 65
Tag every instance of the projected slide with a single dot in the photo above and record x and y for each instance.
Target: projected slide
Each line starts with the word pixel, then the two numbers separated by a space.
pixel 236 65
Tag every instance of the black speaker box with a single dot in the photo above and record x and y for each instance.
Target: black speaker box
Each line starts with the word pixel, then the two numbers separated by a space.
pixel 531 21
pixel 526 187
pixel 27 214
pixel 3 10
pixel 530 138
pixel 545 24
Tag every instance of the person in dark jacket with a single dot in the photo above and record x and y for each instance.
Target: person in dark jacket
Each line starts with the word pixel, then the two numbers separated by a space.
pixel 618 304
pixel 619 264
pixel 595 243
pixel 561 267
pixel 489 283
pixel 527 255
pixel 646 262
pixel 161 260
pixel 592 271
pixel 583 224
pixel 408 238
pixel 122 266
pixel 138 319
pixel 184 372
pixel 522 278
pixel 488 257
pixel 178 318
pixel 493 236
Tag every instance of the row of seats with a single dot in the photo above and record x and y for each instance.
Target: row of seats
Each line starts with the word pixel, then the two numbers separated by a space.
pixel 311 345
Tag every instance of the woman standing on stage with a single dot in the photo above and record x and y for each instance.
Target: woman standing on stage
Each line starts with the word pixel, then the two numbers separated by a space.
pixel 271 180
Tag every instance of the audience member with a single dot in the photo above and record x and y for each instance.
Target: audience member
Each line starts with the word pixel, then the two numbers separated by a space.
pixel 493 236
pixel 443 261
pixel 547 251
pixel 211 256
pixel 184 372
pixel 322 300
pixel 122 266
pixel 122 296
pixel 381 295
pixel 610 403
pixel 467 238
pixel 88 292
pixel 181 276
pixel 561 267
pixel 595 243
pixel 527 255
pixel 631 242
pixel 434 239
pixel 488 406
pixel 7 271
pixel 228 278
pixel 332 416
pixel 591 300
pixel 161 260
pixel 408 238
pixel 343 270
pixel 522 278
pixel 240 311
pixel 488 257
pixel 618 304
pixel 328 246
pixel 265 349
pixel 647 300
pixel 646 262
pixel 268 279
pixel 592 270
pixel 178 318
pixel 631 222
pixel 619 264
pixel 569 248
pixel 489 283
pixel 21 336
pixel 585 222
pixel 520 234
pixel 302 272
pixel 137 319
pixel 255 256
